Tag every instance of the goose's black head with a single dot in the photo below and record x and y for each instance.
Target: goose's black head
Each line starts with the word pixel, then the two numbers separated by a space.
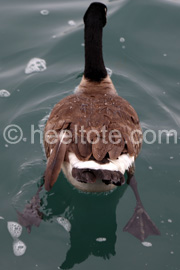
pixel 96 14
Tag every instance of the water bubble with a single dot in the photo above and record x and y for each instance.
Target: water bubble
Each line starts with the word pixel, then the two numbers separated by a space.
pixel 170 220
pixel 14 229
pixel 24 139
pixel 123 47
pixel 147 244
pixel 170 134
pixel 44 12
pixel 82 44
pixel 65 223
pixel 122 39
pixel 6 145
pixel 19 248
pixel 1 217
pixel 4 93
pixel 162 221
pixel 171 157
pixel 72 23
pixel 165 54
pixel 35 65
pixel 109 71
pixel 54 36
pixel 172 252
pixel 101 239
pixel 150 168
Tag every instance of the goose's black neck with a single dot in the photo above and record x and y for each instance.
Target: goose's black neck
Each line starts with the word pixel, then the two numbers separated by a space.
pixel 94 65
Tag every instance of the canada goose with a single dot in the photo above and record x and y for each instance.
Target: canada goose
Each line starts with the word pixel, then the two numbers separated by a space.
pixel 95 107
pixel 76 136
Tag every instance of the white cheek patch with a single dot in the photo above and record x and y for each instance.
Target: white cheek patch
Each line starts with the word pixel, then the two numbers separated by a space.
pixel 121 164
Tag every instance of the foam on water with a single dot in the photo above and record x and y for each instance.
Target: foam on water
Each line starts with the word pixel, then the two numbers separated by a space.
pixel 72 23
pixel 64 223
pixel 109 71
pixel 162 221
pixel 14 229
pixel 170 220
pixel 4 93
pixel 122 39
pixel 35 65
pixel 19 248
pixel 170 134
pixel 101 239
pixel 44 12
pixel 147 244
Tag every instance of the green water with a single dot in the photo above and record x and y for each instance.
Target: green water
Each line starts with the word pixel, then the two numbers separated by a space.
pixel 146 72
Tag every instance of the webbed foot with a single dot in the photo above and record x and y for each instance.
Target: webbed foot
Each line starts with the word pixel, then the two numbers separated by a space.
pixel 140 225
pixel 31 214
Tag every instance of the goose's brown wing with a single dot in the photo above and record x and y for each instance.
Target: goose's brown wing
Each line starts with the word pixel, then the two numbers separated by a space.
pixel 96 115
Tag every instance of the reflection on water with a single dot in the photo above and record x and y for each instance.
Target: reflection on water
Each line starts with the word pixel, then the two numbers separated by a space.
pixel 92 218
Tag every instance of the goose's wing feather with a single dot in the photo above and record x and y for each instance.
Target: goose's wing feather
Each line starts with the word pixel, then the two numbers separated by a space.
pixel 55 161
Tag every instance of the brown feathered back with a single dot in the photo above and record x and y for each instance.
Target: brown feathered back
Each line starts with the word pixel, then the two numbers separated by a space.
pixel 96 112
